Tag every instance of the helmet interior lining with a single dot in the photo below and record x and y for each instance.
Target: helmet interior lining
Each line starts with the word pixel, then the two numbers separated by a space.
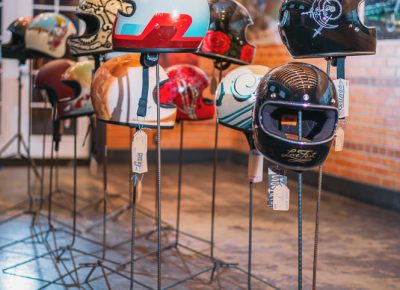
pixel 92 25
pixel 317 126
pixel 75 86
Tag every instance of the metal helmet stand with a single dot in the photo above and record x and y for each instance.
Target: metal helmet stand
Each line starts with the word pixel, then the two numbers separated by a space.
pixel 300 210
pixel 340 64
pixel 26 206
pixel 216 263
pixel 57 252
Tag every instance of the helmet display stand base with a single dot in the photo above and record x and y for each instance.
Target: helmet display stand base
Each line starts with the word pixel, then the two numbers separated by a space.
pixel 153 60
pixel 221 67
pixel 60 254
pixel 215 264
pixel 25 207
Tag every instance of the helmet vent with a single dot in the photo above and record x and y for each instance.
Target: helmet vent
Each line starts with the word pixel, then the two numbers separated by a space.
pixel 298 78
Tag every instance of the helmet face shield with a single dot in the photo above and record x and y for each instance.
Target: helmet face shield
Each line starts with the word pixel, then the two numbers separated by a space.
pixel 226 39
pixel 162 26
pixel 295 100
pixel 99 17
pixel 325 28
pixel 281 121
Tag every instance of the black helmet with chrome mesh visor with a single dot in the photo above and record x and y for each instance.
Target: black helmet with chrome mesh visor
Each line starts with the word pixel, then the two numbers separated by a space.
pixel 282 94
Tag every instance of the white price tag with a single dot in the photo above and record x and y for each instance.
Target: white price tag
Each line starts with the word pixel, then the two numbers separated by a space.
pixel 139 153
pixel 281 198
pixel 278 192
pixel 343 91
pixel 339 140
pixel 94 166
pixel 256 166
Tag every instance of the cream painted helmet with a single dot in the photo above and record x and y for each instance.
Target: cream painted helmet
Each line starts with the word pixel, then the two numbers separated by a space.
pixel 236 95
pixel 99 17
pixel 79 78
pixel 124 93
pixel 48 34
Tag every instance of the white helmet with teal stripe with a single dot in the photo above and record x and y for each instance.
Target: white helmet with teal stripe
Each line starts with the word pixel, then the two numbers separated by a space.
pixel 236 95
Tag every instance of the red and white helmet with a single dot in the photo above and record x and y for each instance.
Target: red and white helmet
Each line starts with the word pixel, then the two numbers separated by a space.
pixel 185 88
pixel 162 26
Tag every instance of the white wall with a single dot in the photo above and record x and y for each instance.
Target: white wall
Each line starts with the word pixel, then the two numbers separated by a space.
pixel 13 9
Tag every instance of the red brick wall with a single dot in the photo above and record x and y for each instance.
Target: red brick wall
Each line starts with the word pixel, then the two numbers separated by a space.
pixel 372 147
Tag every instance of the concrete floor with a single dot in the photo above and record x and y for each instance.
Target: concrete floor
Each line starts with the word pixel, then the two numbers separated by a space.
pixel 359 245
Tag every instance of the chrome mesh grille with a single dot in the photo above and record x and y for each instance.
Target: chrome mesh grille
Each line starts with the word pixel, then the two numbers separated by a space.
pixel 300 79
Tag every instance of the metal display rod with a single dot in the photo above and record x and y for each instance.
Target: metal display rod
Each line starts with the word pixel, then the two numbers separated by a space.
pixel 18 137
pixel 300 210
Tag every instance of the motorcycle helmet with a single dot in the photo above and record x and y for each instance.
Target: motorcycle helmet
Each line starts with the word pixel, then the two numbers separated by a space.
pixel 325 28
pixel 79 78
pixel 48 34
pixel 99 17
pixel 124 93
pixel 281 95
pixel 226 37
pixel 185 88
pixel 236 95
pixel 161 26
pixel 15 48
pixel 49 78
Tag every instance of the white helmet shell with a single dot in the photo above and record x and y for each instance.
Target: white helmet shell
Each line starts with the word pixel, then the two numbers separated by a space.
pixel 124 93
pixel 236 95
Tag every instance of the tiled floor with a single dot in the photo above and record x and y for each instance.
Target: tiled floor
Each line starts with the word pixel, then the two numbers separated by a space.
pixel 359 246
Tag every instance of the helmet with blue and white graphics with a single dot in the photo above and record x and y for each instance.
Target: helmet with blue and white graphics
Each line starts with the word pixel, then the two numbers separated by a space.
pixel 48 34
pixel 162 26
pixel 236 95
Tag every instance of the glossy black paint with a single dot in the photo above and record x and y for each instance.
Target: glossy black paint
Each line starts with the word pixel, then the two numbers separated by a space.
pixel 297 86
pixel 15 48
pixel 325 28
pixel 230 20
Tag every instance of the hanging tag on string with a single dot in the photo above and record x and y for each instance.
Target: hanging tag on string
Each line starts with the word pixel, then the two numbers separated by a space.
pixel 256 166
pixel 66 124
pixel 139 188
pixel 343 92
pixel 94 165
pixel 213 83
pixel 339 140
pixel 281 198
pixel 139 153
pixel 278 192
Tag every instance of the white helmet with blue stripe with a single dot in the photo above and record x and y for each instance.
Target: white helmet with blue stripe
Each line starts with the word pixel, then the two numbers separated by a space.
pixel 236 95
pixel 162 26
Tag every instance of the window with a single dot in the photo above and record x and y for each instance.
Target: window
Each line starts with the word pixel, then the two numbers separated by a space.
pixel 40 114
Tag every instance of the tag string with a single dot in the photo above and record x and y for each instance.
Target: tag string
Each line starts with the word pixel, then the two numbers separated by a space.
pixel 316 239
